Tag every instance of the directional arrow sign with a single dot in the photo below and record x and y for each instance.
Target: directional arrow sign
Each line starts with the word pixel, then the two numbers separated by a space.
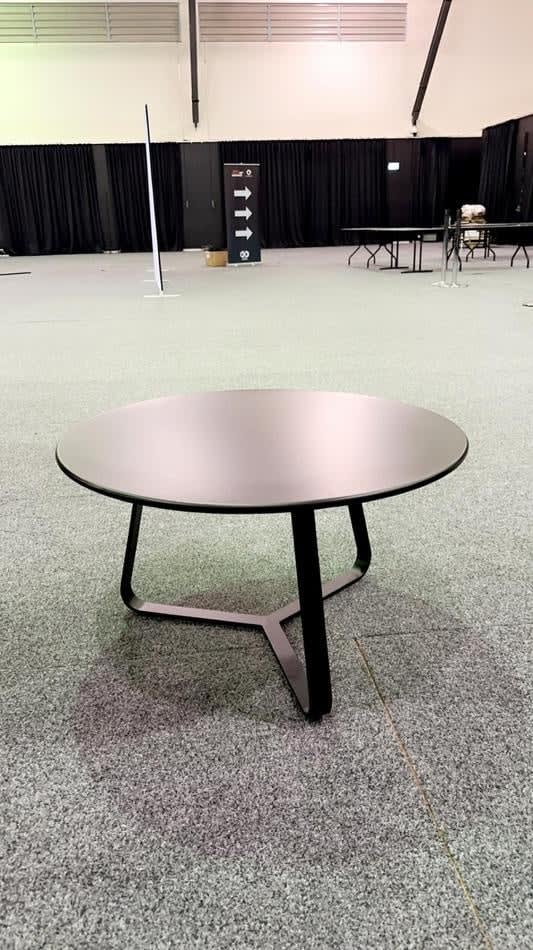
pixel 241 193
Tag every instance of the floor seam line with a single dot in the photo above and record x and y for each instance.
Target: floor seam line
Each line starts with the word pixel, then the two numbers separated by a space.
pixel 426 800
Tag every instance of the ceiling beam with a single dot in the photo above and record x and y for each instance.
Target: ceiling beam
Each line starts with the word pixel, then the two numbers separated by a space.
pixel 432 55
pixel 193 38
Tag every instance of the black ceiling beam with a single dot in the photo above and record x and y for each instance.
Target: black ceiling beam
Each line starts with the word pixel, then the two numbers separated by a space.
pixel 193 36
pixel 432 55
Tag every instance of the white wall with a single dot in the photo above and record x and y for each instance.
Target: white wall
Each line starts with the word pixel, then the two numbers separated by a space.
pixel 317 90
pixel 484 72
pixel 96 92
pixel 89 93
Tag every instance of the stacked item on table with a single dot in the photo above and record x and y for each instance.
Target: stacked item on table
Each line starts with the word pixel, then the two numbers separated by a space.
pixel 473 214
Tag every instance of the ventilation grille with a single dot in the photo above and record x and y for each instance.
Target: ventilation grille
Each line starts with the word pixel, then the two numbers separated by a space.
pixel 222 22
pixel 89 23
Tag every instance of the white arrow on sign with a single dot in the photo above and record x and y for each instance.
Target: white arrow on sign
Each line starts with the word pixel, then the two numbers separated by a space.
pixel 242 193
pixel 246 234
pixel 244 214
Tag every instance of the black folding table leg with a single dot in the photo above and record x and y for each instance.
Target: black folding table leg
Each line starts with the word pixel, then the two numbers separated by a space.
pixel 520 247
pixel 372 256
pixel 312 612
pixel 394 254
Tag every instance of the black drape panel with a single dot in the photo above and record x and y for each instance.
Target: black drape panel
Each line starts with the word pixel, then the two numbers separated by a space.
pixel 527 197
pixel 168 195
pixel 129 185
pixel 311 189
pixel 364 186
pixel 347 188
pixel 6 241
pixel 463 179
pixel 324 191
pixel 524 169
pixel 496 186
pixel 48 199
pixel 430 164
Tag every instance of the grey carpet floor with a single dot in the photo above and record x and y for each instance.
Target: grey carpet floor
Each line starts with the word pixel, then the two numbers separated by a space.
pixel 159 787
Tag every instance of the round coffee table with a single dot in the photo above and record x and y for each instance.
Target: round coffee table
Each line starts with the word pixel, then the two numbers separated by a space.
pixel 256 451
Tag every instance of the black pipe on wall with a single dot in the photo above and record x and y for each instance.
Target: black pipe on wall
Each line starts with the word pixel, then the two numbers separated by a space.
pixel 432 55
pixel 193 36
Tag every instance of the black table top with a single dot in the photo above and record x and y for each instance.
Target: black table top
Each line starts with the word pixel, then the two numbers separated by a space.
pixel 399 230
pixel 260 450
pixel 435 229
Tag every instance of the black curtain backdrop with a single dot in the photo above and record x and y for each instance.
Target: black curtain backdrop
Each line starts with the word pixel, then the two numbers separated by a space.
pixel 526 195
pixel 127 174
pixel 498 159
pixel 523 191
pixel 463 176
pixel 430 168
pixel 166 172
pixel 347 187
pixel 48 200
pixel 129 186
pixel 364 184
pixel 311 189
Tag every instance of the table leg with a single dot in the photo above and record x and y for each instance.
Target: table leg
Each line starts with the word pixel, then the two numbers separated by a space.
pixel 126 590
pixel 418 245
pixel 312 612
pixel 372 256
pixel 394 254
pixel 362 541
pixel 153 609
pixel 354 252
pixel 520 247
pixel 310 683
pixel 387 249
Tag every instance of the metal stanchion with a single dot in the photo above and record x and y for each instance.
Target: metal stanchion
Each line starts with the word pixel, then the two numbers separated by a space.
pixel 456 249
pixel 443 282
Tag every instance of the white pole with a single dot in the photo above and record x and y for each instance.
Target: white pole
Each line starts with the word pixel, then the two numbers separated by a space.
pixel 158 276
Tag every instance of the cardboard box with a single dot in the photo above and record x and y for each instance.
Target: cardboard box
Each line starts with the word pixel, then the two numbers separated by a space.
pixel 216 258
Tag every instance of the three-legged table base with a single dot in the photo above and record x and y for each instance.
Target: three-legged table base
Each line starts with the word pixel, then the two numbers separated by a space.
pixel 311 682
